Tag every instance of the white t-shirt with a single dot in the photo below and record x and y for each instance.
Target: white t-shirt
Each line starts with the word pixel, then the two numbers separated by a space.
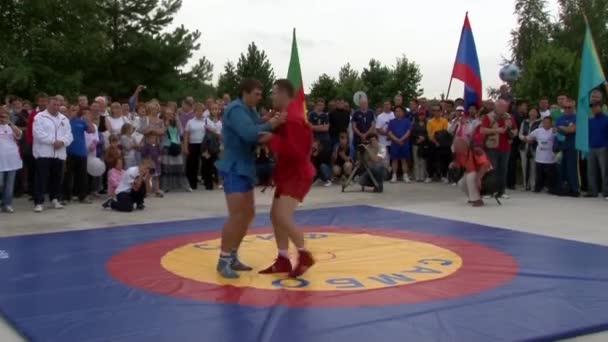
pixel 544 150
pixel 215 126
pixel 91 138
pixel 196 130
pixel 126 182
pixel 382 122
pixel 10 159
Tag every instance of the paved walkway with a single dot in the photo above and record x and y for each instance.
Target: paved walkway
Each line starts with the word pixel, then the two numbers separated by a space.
pixel 576 219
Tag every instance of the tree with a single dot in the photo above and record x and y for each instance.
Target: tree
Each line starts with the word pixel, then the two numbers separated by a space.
pixel 74 46
pixel 324 87
pixel 228 82
pixel 533 29
pixel 375 79
pixel 405 79
pixel 349 82
pixel 549 72
pixel 255 64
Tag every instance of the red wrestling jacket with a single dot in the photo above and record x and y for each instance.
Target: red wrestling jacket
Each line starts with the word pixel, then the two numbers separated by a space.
pixel 291 145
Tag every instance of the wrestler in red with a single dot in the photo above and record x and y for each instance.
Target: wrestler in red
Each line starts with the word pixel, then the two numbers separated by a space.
pixel 292 175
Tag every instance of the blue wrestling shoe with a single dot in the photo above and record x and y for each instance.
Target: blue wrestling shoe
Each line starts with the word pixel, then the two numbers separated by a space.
pixel 224 268
pixel 236 264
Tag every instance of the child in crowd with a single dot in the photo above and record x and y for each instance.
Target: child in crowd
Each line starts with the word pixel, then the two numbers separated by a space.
pixel 399 131
pixel 151 151
pixel 546 171
pixel 130 147
pixel 114 175
pixel 341 157
pixel 94 150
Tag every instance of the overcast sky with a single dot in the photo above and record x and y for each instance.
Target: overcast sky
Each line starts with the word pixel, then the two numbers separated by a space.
pixel 334 32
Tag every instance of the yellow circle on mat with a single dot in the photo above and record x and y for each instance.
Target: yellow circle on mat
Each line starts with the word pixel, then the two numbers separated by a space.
pixel 344 262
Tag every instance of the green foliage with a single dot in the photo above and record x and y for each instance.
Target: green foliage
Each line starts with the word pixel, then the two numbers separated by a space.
pixel 533 29
pixel 74 46
pixel 255 64
pixel 376 78
pixel 325 87
pixel 349 82
pixel 549 72
pixel 549 52
pixel 228 82
pixel 405 79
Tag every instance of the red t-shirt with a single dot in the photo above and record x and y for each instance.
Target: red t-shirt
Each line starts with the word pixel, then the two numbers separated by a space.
pixel 504 144
pixel 472 160
pixel 29 135
pixel 291 144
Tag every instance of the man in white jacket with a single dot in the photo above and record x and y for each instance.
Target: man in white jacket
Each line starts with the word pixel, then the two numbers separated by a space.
pixel 52 134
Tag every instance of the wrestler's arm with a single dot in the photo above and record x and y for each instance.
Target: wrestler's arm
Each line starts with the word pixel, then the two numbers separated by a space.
pixel 244 126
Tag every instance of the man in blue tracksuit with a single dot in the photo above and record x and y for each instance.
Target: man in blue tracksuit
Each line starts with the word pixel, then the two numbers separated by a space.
pixel 568 168
pixel 242 130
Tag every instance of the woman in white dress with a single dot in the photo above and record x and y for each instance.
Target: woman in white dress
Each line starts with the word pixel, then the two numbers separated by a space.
pixel 10 159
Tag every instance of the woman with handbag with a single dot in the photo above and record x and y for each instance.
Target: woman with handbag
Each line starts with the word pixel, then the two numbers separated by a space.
pixel 211 147
pixel 172 161
pixel 527 150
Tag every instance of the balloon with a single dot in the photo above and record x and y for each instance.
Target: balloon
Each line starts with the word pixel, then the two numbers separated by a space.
pixel 509 73
pixel 95 167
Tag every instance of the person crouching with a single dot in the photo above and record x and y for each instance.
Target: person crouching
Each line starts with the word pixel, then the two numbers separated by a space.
pixel 475 164
pixel 132 188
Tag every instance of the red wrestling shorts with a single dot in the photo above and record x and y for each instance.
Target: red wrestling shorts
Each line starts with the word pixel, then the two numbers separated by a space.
pixel 297 189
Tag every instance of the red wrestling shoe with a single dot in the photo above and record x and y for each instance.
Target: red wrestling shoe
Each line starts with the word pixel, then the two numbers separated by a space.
pixel 305 261
pixel 281 265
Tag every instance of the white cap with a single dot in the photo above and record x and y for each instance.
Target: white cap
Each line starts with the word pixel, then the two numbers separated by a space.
pixel 460 108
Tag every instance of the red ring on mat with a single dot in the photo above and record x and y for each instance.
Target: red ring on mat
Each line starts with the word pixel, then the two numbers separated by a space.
pixel 483 268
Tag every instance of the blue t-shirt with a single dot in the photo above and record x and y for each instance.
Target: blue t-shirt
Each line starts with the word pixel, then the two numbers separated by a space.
pixel 363 120
pixel 568 139
pixel 317 119
pixel 399 127
pixel 598 131
pixel 78 147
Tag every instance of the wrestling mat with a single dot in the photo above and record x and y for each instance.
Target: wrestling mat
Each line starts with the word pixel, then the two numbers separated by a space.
pixel 381 275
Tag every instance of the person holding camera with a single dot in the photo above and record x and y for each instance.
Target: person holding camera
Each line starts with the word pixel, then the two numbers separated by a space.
pixel 374 156
pixel 132 188
pixel 499 128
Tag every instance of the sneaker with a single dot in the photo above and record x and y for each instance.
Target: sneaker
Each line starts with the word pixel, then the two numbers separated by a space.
pixel 56 204
pixel 606 198
pixel 237 265
pixel 504 196
pixel 305 261
pixel 8 209
pixel 86 201
pixel 428 180
pixel 38 208
pixel 224 268
pixel 327 184
pixel 487 197
pixel 477 204
pixel 394 179
pixel 445 180
pixel 189 190
pixel 107 204
pixel 141 206
pixel 281 265
pixel 406 179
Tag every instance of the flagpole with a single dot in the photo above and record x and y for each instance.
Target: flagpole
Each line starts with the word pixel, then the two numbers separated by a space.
pixel 447 96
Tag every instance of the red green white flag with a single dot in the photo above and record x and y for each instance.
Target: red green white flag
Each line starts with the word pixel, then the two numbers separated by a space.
pixel 294 74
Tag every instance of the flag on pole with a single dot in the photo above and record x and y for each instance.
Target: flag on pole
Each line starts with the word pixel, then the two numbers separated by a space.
pixel 591 77
pixel 294 74
pixel 466 66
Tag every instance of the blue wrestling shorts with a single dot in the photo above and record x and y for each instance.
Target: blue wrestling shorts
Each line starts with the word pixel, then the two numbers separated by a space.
pixel 235 183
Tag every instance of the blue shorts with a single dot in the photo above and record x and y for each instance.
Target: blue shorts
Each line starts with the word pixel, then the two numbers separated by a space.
pixel 235 183
pixel 400 152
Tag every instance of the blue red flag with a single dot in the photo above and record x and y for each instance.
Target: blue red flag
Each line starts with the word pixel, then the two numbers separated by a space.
pixel 466 66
